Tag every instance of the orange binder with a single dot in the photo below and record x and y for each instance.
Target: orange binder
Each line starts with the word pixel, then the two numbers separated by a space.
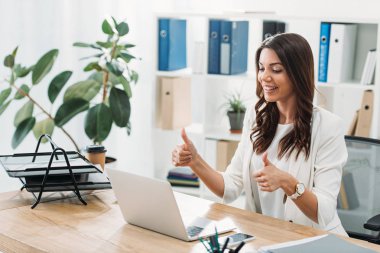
pixel 363 126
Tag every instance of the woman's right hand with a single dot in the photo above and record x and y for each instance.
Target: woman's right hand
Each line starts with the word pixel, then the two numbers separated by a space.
pixel 185 154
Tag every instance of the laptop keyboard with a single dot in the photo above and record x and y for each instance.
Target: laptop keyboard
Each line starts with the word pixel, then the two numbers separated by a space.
pixel 193 230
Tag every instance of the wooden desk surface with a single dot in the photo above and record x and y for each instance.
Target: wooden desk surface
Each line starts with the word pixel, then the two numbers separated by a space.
pixel 68 226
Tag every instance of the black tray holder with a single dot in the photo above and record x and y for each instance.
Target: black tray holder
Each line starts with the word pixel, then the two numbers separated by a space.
pixel 56 149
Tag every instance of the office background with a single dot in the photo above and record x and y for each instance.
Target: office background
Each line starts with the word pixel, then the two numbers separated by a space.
pixel 39 25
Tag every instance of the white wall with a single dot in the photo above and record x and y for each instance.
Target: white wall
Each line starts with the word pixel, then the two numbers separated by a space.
pixel 39 25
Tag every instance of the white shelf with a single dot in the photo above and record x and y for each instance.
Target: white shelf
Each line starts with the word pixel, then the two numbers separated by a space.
pixel 175 73
pixel 214 134
pixel 348 85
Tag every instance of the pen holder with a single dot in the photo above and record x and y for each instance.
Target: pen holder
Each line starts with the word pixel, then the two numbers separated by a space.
pixel 212 244
pixel 96 154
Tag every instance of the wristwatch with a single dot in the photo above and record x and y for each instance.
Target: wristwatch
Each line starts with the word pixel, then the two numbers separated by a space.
pixel 300 189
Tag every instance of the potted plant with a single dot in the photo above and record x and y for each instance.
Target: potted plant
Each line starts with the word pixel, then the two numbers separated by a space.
pixel 235 111
pixel 104 95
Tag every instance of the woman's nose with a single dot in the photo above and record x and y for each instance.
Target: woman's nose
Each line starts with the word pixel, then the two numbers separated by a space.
pixel 266 75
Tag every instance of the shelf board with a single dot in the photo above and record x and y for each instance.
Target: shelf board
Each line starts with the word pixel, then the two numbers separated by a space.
pixel 175 73
pixel 348 85
pixel 213 133
pixel 187 72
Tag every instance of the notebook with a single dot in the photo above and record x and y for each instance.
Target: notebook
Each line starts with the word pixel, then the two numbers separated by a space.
pixel 150 203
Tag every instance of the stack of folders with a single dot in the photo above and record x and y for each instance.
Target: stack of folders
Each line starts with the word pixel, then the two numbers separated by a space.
pixel 171 44
pixel 369 68
pixel 336 52
pixel 317 244
pixel 182 176
pixel 227 47
pixel 271 27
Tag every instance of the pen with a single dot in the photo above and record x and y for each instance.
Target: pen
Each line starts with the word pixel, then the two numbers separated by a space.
pixel 225 244
pixel 238 248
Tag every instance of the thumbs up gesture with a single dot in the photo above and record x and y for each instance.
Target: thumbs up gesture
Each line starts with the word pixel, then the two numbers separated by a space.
pixel 185 154
pixel 269 178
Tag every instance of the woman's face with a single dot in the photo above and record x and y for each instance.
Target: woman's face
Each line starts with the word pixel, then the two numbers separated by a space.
pixel 273 78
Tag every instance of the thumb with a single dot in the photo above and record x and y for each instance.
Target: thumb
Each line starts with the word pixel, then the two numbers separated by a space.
pixel 185 139
pixel 266 160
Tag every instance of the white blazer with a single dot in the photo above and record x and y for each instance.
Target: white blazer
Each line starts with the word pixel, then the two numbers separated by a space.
pixel 321 172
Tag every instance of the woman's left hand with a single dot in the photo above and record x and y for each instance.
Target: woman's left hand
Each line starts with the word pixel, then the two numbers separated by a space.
pixel 269 178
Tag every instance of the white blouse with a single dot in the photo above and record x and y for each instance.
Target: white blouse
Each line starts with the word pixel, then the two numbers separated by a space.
pixel 272 202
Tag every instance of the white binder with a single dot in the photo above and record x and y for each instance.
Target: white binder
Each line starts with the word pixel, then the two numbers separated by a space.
pixel 342 52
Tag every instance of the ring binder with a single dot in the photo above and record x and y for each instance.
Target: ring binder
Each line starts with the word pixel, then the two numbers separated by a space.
pixel 54 171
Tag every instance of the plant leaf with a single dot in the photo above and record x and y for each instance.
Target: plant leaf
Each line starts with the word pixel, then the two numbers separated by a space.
pixel 97 76
pixel 104 44
pixel 57 84
pixel 25 89
pixel 22 131
pixel 45 126
pixel 25 112
pixel 69 109
pixel 3 107
pixel 107 28
pixel 134 76
pixel 9 61
pixel 114 68
pixel 21 71
pixel 82 44
pixel 92 56
pixel 126 57
pixel 126 86
pixel 120 107
pixel 4 94
pixel 86 90
pixel 98 122
pixel 91 66
pixel 43 66
pixel 114 21
pixel 15 52
pixel 129 45
pixel 122 29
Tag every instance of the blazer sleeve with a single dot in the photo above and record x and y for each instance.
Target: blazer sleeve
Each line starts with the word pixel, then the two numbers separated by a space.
pixel 329 161
pixel 233 176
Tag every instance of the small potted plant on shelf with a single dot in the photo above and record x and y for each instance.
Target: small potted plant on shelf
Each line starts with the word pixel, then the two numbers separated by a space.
pixel 104 95
pixel 235 111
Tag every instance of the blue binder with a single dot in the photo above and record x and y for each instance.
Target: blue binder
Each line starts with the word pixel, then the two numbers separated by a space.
pixel 324 44
pixel 171 44
pixel 233 47
pixel 214 46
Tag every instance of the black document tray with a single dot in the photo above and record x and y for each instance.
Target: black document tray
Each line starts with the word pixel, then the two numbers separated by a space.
pixel 93 181
pixel 54 171
pixel 22 165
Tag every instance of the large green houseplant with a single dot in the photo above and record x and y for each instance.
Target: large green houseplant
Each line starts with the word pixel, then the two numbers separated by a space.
pixel 104 94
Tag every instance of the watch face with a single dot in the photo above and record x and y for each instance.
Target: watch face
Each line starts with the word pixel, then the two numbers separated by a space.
pixel 300 188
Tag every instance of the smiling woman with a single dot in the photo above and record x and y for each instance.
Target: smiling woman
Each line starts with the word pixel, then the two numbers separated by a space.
pixel 290 157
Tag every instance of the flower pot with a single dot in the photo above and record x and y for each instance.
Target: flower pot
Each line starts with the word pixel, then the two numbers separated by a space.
pixel 236 121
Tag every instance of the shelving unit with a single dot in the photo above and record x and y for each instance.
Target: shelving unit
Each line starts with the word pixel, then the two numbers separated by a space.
pixel 210 121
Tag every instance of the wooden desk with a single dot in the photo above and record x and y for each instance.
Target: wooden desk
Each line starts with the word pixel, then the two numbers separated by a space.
pixel 68 226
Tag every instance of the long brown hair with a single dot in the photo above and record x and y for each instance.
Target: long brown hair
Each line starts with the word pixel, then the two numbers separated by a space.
pixel 296 57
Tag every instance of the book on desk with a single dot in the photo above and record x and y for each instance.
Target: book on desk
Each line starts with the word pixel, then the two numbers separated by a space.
pixel 182 176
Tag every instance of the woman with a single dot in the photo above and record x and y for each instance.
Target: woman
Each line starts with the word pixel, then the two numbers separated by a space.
pixel 290 157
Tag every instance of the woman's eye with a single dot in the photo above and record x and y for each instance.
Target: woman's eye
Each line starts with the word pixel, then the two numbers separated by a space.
pixel 261 69
pixel 277 70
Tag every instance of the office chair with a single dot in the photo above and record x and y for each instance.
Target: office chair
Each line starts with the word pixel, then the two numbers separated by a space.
pixel 358 201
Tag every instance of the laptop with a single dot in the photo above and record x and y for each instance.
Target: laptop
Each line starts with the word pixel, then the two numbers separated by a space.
pixel 150 203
